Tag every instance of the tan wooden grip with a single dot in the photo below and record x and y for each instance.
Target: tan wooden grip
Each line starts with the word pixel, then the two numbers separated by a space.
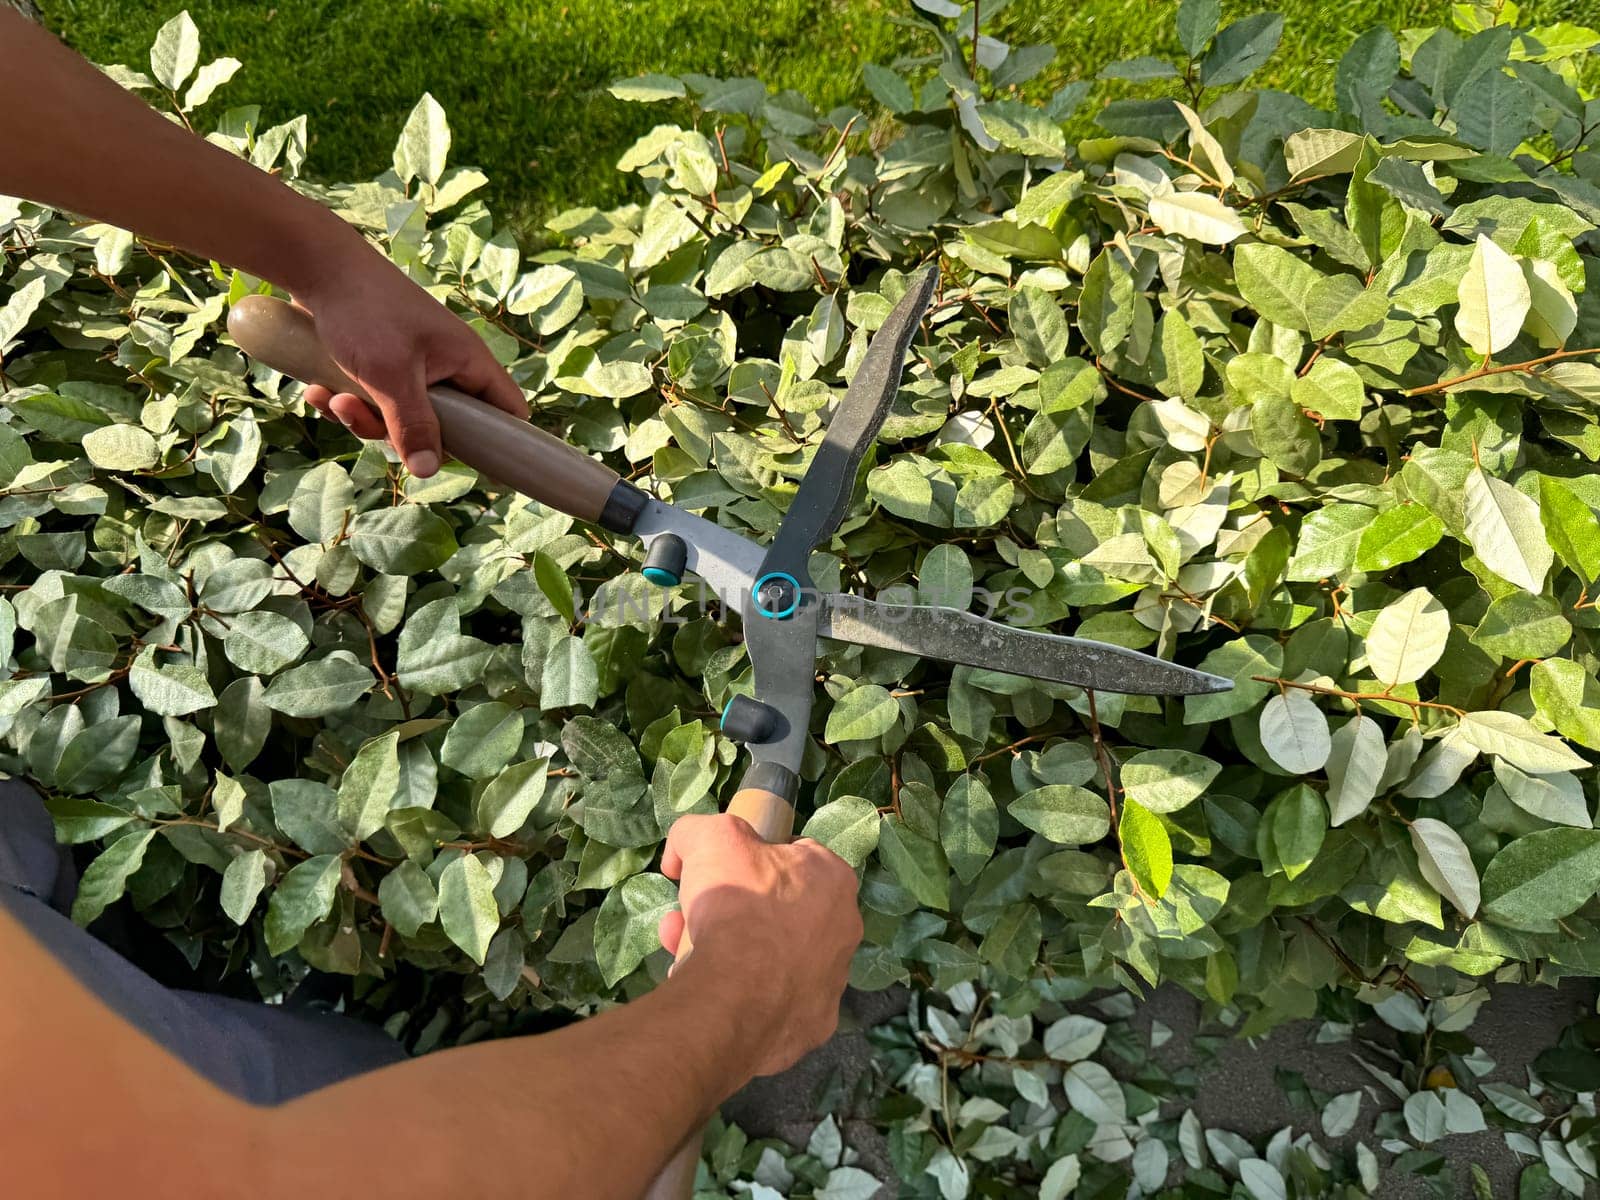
pixel 772 817
pixel 508 450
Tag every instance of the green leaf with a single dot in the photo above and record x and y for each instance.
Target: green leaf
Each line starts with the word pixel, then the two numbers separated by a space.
pixel 1357 760
pixel 1542 877
pixel 1328 541
pixel 1557 798
pixel 467 907
pixel 916 862
pixel 408 898
pixel 1241 49
pixel 240 722
pixel 867 711
pixel 512 796
pixel 1146 849
pixel 302 898
pixel 1446 864
pixel 242 884
pixel 424 143
pixel 263 642
pixel 1294 732
pixel 1494 300
pixel 434 656
pixel 1199 216
pixel 555 585
pixel 570 678
pixel 316 689
pixel 1514 739
pixel 647 88
pixel 1570 527
pixel 96 757
pixel 1063 813
pixel 1183 362
pixel 1292 293
pixel 106 878
pixel 176 51
pixel 1023 128
pixel 1039 326
pixel 888 88
pixel 1094 1092
pixel 1011 943
pixel 482 740
pixel 121 448
pixel 370 784
pixel 1407 638
pixel 1331 389
pixel 1197 25
pixel 1398 535
pixel 848 826
pixel 78 820
pixel 1568 697
pixel 1164 781
pixel 173 690
pixel 322 503
pixel 307 810
pixel 1105 305
pixel 945 578
pixel 1505 530
pixel 1294 826
pixel 406 540
pixel 625 930
pixel 1522 626
pixel 969 824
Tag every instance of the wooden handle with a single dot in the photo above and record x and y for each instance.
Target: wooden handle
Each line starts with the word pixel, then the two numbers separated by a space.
pixel 772 817
pixel 506 449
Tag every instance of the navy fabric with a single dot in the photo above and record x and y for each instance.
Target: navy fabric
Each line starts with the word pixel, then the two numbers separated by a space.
pixel 261 1053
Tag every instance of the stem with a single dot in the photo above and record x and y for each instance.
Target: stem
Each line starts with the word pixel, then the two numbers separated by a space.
pixel 1375 697
pixel 1486 369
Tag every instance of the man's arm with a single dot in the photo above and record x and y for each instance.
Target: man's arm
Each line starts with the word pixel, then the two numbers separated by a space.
pixel 90 147
pixel 591 1111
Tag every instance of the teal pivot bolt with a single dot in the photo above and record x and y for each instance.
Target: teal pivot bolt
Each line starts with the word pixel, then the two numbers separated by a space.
pixel 664 561
pixel 777 595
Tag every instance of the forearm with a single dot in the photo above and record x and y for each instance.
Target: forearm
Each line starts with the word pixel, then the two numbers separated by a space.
pixel 593 1110
pixel 76 140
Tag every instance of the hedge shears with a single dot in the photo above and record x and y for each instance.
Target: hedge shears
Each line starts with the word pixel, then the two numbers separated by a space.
pixel 786 618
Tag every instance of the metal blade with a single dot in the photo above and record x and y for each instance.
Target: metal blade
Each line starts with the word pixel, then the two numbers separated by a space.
pixel 824 493
pixel 783 657
pixel 961 637
pixel 726 561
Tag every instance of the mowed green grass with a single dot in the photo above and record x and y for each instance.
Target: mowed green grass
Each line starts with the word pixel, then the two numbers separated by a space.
pixel 523 81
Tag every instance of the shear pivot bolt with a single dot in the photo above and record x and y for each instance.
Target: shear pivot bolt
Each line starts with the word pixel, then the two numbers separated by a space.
pixel 664 561
pixel 777 595
pixel 748 720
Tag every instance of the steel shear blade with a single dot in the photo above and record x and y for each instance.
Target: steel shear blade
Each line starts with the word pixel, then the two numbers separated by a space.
pixel 784 615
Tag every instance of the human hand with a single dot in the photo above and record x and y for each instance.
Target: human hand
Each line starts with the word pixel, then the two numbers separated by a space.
pixel 776 924
pixel 394 339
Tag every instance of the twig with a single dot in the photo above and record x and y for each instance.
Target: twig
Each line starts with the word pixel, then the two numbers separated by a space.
pixel 1374 697
pixel 1502 369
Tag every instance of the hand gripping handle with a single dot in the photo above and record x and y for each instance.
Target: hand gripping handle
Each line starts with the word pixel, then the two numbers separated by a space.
pixel 765 800
pixel 510 451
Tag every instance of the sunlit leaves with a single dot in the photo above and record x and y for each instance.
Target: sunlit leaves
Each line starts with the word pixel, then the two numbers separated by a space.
pixel 1505 531
pixel 1494 299
pixel 1407 638
pixel 1294 732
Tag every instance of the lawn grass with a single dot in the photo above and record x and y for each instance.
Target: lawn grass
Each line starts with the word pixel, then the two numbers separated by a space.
pixel 523 81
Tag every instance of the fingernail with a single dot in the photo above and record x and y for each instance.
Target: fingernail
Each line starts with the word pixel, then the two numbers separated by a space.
pixel 424 463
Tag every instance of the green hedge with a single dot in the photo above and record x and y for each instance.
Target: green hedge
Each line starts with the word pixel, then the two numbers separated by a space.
pixel 1302 397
